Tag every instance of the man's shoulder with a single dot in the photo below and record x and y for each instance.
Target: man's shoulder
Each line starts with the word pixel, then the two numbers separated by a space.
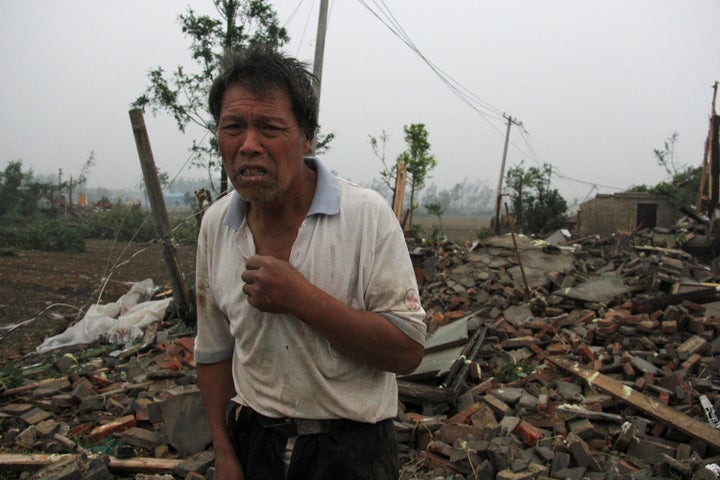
pixel 217 211
pixel 354 192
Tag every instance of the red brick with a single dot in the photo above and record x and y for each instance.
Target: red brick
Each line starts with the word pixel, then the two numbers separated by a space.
pixel 586 318
pixel 557 349
pixel 691 362
pixel 119 425
pixel 529 434
pixel 640 383
pixel 628 371
pixel 585 353
pixel 464 415
pixel 669 327
pixel 455 315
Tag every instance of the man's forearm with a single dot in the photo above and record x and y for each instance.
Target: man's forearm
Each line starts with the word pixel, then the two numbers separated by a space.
pixel 217 389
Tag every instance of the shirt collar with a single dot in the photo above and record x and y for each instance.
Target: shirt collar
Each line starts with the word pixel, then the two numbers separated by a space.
pixel 326 199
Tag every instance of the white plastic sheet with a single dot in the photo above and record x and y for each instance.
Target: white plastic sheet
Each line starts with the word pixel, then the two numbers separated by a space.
pixel 118 322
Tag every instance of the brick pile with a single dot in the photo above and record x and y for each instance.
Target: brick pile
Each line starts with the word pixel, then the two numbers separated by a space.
pixel 587 359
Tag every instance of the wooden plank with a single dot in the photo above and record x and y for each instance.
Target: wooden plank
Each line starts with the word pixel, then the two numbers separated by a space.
pixel 409 391
pixel 654 408
pixel 144 464
pixel 703 295
pixel 138 464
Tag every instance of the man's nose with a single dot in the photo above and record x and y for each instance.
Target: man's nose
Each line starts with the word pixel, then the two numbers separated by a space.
pixel 251 141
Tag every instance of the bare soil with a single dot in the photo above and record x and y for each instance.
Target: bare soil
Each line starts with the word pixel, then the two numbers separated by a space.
pixel 48 289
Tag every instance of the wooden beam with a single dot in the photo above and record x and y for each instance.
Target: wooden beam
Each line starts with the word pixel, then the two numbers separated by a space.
pixel 139 464
pixel 701 295
pixel 415 392
pixel 654 408
pixel 399 191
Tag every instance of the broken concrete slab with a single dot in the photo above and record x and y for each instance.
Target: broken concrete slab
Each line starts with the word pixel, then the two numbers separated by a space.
pixel 185 423
pixel 603 289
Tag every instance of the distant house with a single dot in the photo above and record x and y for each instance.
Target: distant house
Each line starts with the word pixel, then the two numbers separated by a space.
pixel 624 213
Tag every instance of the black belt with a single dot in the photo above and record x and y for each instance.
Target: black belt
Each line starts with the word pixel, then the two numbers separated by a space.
pixel 299 427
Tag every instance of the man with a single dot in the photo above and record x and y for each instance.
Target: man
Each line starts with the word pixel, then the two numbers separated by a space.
pixel 307 301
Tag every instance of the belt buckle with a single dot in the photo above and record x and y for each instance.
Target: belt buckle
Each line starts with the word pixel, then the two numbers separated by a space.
pixel 309 427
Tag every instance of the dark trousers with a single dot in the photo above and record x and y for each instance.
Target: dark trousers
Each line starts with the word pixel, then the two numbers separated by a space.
pixel 349 451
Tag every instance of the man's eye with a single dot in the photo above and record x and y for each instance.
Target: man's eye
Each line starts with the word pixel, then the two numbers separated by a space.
pixel 270 130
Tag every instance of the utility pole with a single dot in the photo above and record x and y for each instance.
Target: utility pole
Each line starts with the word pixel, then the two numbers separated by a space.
pixel 319 54
pixel 496 220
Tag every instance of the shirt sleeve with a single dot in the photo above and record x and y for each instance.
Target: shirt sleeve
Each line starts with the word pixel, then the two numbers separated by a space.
pixel 392 290
pixel 214 342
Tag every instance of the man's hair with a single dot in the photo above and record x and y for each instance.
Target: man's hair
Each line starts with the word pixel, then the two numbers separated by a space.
pixel 261 69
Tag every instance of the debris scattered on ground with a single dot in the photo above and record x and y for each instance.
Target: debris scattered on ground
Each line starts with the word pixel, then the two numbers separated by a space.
pixel 577 358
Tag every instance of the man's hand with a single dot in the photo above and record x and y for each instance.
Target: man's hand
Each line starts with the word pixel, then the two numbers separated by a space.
pixel 272 285
pixel 275 286
pixel 227 467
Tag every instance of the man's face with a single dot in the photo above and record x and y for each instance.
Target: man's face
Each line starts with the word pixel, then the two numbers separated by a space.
pixel 261 143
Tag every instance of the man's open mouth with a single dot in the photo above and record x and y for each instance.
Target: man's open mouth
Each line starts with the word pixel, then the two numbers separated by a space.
pixel 253 172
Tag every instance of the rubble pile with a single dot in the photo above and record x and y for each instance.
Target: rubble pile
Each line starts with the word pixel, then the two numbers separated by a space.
pixel 595 360
pixel 588 358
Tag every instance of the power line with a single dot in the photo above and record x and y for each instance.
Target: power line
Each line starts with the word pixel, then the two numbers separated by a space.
pixel 556 170
pixel 486 110
pixel 483 108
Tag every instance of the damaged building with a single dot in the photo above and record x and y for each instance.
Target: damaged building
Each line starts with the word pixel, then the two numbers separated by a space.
pixel 624 212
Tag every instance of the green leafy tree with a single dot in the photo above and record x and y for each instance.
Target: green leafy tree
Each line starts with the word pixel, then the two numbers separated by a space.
pixel 537 207
pixel 436 209
pixel 183 94
pixel 11 181
pixel 418 160
pixel 20 191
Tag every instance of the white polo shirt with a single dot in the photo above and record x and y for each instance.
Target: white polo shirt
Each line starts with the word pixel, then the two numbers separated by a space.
pixel 351 246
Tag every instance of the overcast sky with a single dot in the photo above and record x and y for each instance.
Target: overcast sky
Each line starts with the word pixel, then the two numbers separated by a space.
pixel 597 85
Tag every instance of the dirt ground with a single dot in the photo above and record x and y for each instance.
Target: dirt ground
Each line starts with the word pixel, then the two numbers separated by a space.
pixel 48 288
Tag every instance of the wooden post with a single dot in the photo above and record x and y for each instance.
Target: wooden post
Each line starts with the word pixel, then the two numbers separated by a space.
pixel 399 190
pixel 707 182
pixel 157 204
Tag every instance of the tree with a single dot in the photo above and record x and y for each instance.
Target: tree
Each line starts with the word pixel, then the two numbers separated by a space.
pixel 682 183
pixel 436 209
pixel 183 95
pixel 666 156
pixel 466 198
pixel 72 183
pixel 537 207
pixel 418 160
pixel 20 191
pixel 388 174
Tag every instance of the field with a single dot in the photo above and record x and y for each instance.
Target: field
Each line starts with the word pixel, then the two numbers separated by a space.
pixel 47 289
pixel 456 228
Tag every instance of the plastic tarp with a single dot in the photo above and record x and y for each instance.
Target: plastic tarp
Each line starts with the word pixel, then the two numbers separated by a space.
pixel 118 322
